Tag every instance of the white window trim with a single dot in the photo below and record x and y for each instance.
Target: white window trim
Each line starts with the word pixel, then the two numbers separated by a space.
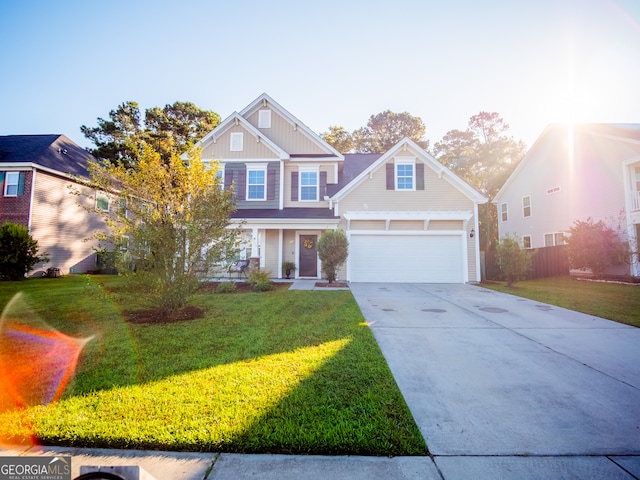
pixel 236 142
pixel 554 235
pixel 523 242
pixel 506 211
pixel 530 207
pixel 309 169
pixel 7 184
pixel 264 118
pixel 260 167
pixel 103 195
pixel 405 161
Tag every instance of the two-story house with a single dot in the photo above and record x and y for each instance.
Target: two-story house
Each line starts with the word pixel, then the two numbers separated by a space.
pixel 573 172
pixel 35 174
pixel 407 217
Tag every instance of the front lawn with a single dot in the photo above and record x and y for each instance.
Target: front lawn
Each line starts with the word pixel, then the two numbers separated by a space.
pixel 278 372
pixel 613 301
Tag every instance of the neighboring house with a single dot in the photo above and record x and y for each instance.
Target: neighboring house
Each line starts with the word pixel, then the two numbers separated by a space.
pixel 35 172
pixel 407 217
pixel 573 173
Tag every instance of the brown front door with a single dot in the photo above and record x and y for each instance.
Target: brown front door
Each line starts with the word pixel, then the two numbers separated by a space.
pixel 308 256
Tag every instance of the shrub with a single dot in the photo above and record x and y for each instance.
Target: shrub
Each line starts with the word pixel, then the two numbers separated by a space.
pixel 259 280
pixel 513 260
pixel 333 249
pixel 226 287
pixel 18 251
pixel 592 245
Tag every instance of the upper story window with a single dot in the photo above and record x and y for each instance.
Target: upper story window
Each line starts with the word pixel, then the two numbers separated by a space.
pixel 102 201
pixel 309 185
pixel 13 184
pixel 526 241
pixel 526 206
pixel 405 175
pixel 237 142
pixel 256 182
pixel 504 212
pixel 264 118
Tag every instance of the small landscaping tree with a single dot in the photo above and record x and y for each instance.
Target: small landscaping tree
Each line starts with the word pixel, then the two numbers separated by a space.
pixel 592 245
pixel 513 260
pixel 18 251
pixel 169 223
pixel 333 249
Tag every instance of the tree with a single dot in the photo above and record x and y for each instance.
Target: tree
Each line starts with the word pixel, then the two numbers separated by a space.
pixel 484 156
pixel 18 251
pixel 382 132
pixel 333 249
pixel 592 245
pixel 168 223
pixel 514 261
pixel 339 138
pixel 169 130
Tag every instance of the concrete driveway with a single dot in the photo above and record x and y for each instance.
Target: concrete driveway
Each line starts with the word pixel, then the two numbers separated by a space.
pixel 497 383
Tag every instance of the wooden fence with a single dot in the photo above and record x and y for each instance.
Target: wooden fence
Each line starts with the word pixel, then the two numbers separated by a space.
pixel 546 262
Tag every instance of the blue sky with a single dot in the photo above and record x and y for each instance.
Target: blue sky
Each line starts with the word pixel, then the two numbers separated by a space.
pixel 65 63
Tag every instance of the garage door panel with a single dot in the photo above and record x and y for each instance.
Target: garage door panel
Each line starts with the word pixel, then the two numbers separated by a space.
pixel 406 258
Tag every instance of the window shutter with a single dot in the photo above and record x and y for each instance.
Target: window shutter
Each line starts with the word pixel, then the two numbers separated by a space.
pixel 323 185
pixel 1 183
pixel 294 186
pixel 271 182
pixel 391 176
pixel 21 177
pixel 241 183
pixel 419 176
pixel 228 178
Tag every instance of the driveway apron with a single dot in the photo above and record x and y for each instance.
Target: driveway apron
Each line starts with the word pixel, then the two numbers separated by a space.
pixel 490 374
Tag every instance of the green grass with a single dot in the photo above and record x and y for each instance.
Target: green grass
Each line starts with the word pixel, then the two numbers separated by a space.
pixel 280 371
pixel 617 302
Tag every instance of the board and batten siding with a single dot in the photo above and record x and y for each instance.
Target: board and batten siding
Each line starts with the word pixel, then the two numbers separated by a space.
pixel 251 148
pixel 61 226
pixel 286 136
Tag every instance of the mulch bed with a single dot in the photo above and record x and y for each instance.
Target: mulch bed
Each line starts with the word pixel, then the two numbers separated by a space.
pixel 155 316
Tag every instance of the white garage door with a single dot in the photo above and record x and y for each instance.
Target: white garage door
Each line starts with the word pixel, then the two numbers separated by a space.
pixel 406 258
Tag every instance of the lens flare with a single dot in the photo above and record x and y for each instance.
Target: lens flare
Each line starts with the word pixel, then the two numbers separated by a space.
pixel 36 360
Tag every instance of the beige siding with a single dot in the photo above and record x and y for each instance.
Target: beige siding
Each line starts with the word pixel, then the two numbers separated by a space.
pixel 438 196
pixel 406 225
pixel 286 136
pixel 445 225
pixel 368 225
pixel 271 253
pixel 221 149
pixel 293 167
pixel 61 226
pixel 372 195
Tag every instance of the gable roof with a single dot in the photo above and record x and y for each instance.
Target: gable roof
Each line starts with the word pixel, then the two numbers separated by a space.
pixel 628 133
pixel 236 119
pixel 404 144
pixel 265 99
pixel 52 152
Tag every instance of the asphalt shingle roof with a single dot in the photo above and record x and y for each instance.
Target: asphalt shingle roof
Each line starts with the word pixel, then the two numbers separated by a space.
pixel 55 152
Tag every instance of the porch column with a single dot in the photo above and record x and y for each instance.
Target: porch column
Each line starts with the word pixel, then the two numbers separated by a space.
pixel 254 259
